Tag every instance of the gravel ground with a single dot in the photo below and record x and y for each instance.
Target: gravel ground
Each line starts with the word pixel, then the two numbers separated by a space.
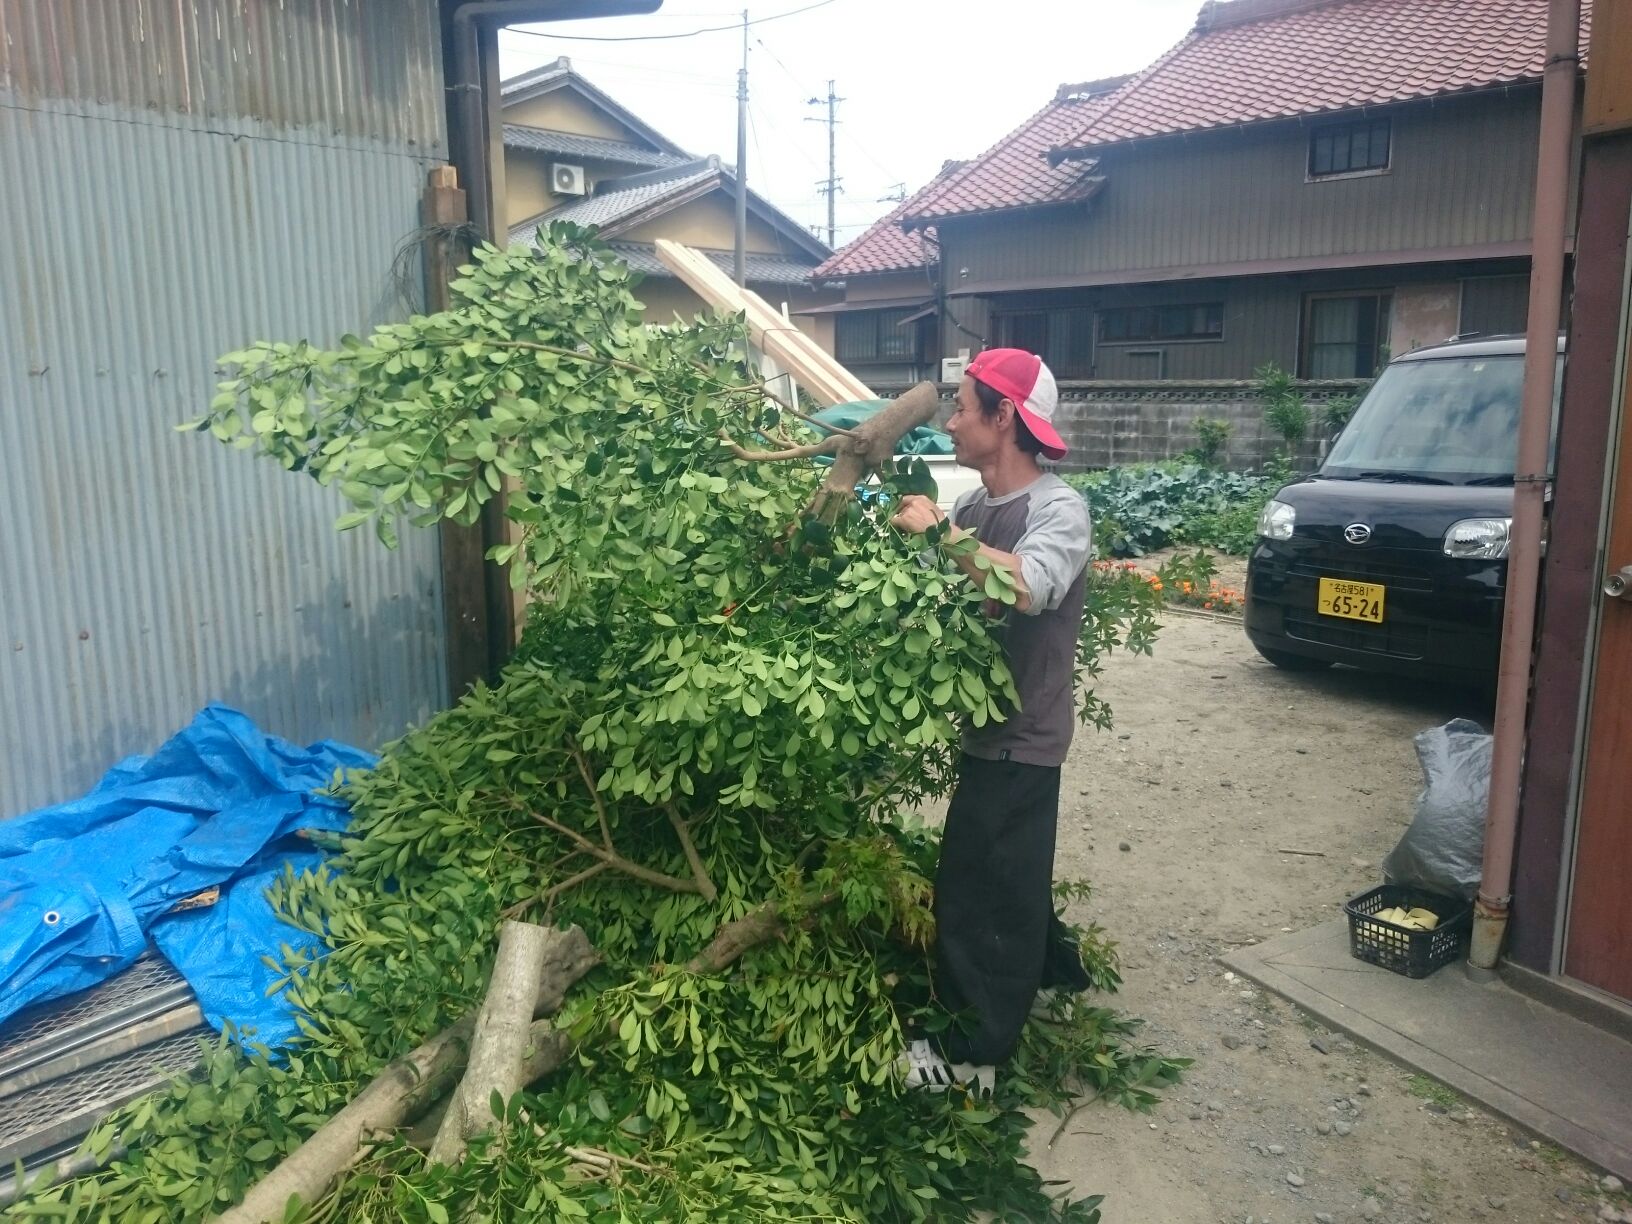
pixel 1180 816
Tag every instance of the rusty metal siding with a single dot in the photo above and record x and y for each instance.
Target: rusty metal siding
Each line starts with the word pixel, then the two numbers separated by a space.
pixel 177 180
pixel 332 68
pixel 1463 175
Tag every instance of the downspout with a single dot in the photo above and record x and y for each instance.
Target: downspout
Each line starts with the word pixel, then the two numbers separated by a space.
pixel 468 87
pixel 470 147
pixel 1491 908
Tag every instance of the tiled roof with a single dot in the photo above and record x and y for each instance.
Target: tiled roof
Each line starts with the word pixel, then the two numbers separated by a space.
pixel 759 269
pixel 884 246
pixel 589 148
pixel 1015 172
pixel 546 74
pixel 560 74
pixel 626 198
pixel 1250 61
pixel 637 197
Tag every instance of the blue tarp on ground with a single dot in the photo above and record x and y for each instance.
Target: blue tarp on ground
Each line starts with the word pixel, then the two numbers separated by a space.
pixel 84 883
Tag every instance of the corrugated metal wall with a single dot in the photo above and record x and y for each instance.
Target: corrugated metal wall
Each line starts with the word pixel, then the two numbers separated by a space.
pixel 1463 174
pixel 176 180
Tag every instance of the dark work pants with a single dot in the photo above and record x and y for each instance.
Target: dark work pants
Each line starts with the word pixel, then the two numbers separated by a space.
pixel 994 904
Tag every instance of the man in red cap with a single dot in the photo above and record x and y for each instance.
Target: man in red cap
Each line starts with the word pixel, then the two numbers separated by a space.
pixel 998 940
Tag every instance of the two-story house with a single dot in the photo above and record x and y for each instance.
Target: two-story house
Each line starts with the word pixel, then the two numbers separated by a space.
pixel 1318 183
pixel 572 153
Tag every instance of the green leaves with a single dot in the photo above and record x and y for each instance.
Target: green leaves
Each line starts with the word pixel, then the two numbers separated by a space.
pixel 698 656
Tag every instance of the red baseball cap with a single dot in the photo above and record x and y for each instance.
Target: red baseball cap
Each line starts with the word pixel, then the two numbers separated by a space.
pixel 1022 377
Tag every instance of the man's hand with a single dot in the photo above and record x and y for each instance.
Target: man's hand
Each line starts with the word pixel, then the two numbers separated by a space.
pixel 917 514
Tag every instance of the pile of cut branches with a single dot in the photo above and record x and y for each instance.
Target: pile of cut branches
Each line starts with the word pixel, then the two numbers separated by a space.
pixel 634 932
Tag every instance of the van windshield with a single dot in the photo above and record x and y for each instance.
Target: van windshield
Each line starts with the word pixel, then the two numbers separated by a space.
pixel 1452 419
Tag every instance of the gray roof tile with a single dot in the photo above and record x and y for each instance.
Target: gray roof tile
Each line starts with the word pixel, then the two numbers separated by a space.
pixel 588 148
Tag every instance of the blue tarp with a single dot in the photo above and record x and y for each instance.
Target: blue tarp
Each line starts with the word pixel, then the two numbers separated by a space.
pixel 83 884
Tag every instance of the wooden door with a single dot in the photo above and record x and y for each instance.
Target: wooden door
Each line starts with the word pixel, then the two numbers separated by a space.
pixel 1598 944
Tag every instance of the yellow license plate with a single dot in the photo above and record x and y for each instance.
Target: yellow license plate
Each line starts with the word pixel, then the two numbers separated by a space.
pixel 1361 601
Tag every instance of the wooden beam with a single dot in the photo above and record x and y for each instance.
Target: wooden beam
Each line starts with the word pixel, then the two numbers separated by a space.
pixel 826 381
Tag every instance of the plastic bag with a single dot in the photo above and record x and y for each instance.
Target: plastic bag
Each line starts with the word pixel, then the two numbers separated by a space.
pixel 1444 848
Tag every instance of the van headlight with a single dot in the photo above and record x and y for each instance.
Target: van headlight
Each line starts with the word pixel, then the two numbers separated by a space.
pixel 1481 539
pixel 1277 520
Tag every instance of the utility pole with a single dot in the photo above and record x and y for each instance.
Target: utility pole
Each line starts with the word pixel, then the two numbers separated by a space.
pixel 740 264
pixel 896 194
pixel 831 188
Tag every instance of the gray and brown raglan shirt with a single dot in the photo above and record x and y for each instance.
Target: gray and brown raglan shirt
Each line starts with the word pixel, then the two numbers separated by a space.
pixel 1046 525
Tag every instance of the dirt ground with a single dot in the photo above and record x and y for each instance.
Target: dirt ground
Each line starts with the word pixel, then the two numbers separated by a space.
pixel 1181 817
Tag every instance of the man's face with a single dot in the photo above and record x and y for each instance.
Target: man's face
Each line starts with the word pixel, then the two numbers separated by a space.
pixel 976 437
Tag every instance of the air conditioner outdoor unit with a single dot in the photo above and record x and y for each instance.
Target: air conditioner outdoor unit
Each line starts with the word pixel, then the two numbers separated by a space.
pixel 568 180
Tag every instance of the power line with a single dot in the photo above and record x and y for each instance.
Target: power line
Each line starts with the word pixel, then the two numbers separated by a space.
pixel 736 25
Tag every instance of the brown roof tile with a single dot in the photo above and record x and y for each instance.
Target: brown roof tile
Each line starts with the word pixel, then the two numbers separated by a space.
pixel 1014 172
pixel 1250 61
pixel 883 247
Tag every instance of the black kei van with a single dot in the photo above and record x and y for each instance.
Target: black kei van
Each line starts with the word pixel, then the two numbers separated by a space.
pixel 1393 556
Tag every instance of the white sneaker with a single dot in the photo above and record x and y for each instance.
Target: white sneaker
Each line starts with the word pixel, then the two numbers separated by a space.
pixel 1052 1004
pixel 923 1067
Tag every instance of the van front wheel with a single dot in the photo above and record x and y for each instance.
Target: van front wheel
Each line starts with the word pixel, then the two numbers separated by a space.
pixel 1291 662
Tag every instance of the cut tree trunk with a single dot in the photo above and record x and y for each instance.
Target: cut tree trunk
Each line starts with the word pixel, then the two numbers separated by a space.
pixel 406 1088
pixel 498 1040
pixel 413 1083
pixel 871 445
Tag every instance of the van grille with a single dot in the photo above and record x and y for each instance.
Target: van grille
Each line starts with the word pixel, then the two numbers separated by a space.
pixel 1366 569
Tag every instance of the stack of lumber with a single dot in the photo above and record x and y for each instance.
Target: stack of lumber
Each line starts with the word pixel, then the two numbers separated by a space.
pixel 824 379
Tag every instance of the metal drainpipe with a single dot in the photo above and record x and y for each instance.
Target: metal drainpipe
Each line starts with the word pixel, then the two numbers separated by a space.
pixel 1535 428
pixel 470 151
pixel 467 68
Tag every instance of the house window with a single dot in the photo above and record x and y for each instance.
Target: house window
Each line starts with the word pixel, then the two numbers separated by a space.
pixel 1143 324
pixel 1062 336
pixel 1345 335
pixel 1349 148
pixel 876 335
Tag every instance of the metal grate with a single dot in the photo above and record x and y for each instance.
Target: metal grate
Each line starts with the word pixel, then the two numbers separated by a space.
pixel 1399 642
pixel 1355 569
pixel 150 987
pixel 53 1114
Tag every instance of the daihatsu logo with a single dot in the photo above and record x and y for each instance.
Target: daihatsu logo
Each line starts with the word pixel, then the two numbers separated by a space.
pixel 1357 533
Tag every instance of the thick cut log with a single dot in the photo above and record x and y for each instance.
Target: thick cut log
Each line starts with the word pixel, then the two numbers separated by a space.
pixel 872 445
pixel 499 1039
pixel 408 1087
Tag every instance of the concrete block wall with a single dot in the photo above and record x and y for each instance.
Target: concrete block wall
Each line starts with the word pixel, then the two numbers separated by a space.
pixel 1111 423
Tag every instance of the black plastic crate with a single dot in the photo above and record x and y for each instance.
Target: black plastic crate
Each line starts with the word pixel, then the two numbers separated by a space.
pixel 1413 953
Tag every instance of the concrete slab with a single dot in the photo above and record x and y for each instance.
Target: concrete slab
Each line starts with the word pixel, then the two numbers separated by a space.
pixel 1550 1073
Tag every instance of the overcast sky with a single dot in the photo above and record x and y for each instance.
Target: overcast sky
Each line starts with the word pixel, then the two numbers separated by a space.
pixel 922 81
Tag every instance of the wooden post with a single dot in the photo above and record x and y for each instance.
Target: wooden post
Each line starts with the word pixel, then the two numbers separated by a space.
pixel 469 652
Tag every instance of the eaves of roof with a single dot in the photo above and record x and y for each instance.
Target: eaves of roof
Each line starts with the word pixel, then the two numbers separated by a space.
pixel 588 148
pixel 632 201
